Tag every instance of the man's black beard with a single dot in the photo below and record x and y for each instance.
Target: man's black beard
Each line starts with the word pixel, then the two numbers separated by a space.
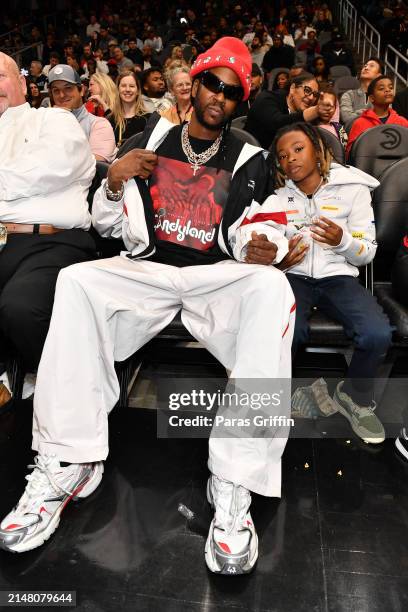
pixel 214 127
pixel 156 94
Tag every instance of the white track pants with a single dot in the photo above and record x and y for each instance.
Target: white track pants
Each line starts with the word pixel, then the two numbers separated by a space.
pixel 106 310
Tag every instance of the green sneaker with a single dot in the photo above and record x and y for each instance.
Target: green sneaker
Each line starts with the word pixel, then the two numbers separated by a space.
pixel 363 421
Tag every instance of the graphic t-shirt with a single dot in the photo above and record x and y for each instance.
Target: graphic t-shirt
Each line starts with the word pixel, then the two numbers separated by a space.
pixel 188 208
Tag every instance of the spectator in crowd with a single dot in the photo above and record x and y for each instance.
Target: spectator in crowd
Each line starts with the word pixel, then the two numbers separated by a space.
pixel 129 115
pixel 274 109
pixel 149 58
pixel 113 71
pixel 93 26
pixel 103 38
pixel 134 53
pixel 337 54
pixel 154 40
pixel 266 45
pixel 287 38
pixel 400 104
pixel 321 23
pixel 179 85
pixel 123 302
pixel 34 96
pixel 327 244
pixel 103 95
pixel 122 62
pixel 36 74
pixel 66 92
pixel 77 47
pixel 278 56
pixel 154 91
pixel 321 71
pixel 310 48
pixel 71 61
pixel 257 53
pixel 69 50
pixel 86 55
pixel 259 30
pixel 51 46
pixel 101 64
pixel 54 60
pixel 257 81
pixel 329 114
pixel 355 101
pixel 381 95
pixel 89 69
pixel 281 81
pixel 303 30
pixel 46 168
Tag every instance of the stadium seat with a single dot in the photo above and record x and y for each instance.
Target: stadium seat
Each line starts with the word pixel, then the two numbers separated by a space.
pixel 334 143
pixel 239 122
pixel 349 124
pixel 339 71
pixel 345 83
pixel 390 205
pixel 378 148
pixel 391 213
pixel 244 136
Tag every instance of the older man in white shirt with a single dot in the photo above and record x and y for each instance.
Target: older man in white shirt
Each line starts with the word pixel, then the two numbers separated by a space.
pixel 46 169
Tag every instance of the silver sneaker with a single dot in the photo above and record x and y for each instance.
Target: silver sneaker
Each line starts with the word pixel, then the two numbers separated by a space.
pixel 50 487
pixel 232 543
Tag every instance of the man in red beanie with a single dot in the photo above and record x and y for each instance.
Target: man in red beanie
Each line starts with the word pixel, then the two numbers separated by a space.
pixel 187 204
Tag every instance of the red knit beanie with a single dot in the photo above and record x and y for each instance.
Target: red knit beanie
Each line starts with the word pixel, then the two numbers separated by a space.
pixel 227 52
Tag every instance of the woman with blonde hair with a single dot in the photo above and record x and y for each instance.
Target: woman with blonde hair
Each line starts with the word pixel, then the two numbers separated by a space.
pixel 103 94
pixel 129 116
pixel 177 53
pixel 179 85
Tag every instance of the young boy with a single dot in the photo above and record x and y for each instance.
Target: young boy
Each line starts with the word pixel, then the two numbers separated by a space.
pixel 381 95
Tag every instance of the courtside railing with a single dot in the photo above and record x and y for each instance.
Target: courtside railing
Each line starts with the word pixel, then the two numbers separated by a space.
pixel 367 39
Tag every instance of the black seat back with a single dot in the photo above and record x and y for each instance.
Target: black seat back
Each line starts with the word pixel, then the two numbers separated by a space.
pixel 379 147
pixel 390 204
pixel 334 143
pixel 345 83
pixel 244 136
pixel 239 122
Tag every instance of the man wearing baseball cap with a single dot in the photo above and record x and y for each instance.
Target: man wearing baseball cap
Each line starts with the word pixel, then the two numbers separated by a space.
pixel 187 204
pixel 66 90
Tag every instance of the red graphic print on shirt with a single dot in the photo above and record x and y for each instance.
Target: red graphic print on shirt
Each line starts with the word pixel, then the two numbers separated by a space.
pixel 188 209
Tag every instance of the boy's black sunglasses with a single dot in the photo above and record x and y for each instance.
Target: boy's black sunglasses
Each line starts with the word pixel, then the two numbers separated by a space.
pixel 235 93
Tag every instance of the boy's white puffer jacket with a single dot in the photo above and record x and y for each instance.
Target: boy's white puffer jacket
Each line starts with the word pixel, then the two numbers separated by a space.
pixel 346 200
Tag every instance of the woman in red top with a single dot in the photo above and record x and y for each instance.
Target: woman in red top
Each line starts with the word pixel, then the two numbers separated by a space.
pixel 103 94
pixel 381 95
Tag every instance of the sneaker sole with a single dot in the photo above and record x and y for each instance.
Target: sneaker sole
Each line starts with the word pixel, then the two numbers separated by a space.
pixel 401 449
pixel 365 439
pixel 80 493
